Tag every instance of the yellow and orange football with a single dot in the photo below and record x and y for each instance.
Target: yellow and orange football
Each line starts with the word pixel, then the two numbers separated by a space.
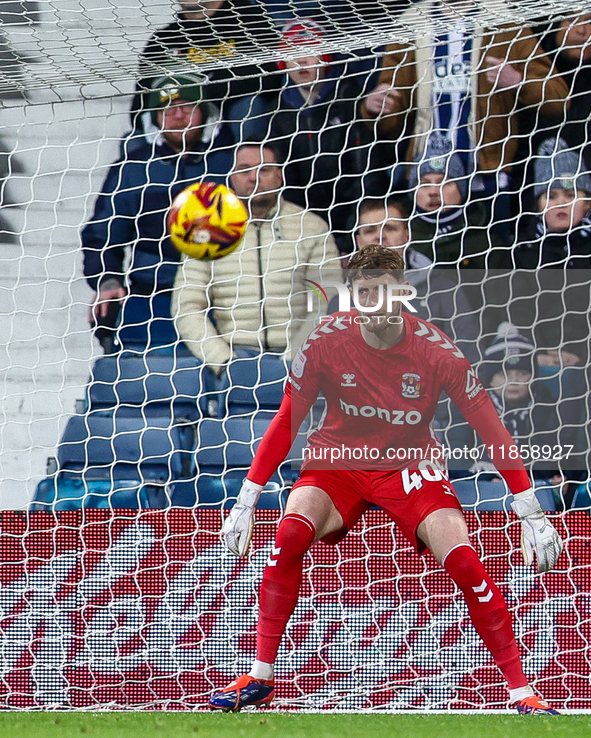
pixel 207 221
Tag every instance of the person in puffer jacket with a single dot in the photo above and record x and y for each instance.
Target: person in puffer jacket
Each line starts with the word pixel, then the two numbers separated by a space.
pixel 244 301
pixel 322 138
pixel 130 211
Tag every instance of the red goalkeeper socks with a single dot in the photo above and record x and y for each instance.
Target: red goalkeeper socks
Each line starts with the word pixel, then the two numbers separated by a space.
pixel 281 583
pixel 488 611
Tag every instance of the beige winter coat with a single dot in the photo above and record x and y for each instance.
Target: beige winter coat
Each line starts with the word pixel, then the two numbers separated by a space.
pixel 248 292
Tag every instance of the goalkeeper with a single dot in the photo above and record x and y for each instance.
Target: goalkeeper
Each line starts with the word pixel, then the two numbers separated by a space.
pixel 381 373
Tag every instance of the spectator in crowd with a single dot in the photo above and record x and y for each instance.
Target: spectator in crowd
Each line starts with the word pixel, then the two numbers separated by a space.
pixel 444 227
pixel 343 14
pixel 204 31
pixel 562 229
pixel 439 300
pixel 321 136
pixel 535 418
pixel 241 305
pixel 131 210
pixel 553 302
pixel 466 84
pixel 568 44
pixel 508 370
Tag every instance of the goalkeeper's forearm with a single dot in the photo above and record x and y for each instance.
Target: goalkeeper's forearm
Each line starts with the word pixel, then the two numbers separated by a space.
pixel 277 441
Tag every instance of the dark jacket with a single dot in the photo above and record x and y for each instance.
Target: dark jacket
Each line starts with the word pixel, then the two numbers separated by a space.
pixel 570 250
pixel 551 290
pixel 534 422
pixel 326 148
pixel 236 27
pixel 131 212
pixel 456 238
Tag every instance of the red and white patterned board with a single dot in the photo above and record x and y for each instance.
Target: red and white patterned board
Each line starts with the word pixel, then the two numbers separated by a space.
pixel 145 610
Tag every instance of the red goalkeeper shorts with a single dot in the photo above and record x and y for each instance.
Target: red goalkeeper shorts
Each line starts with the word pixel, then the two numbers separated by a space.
pixel 406 496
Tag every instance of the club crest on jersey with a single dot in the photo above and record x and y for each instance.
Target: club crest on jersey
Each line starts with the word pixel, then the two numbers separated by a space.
pixel 411 385
pixel 348 380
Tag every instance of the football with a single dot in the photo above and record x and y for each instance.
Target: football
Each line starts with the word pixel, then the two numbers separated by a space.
pixel 207 221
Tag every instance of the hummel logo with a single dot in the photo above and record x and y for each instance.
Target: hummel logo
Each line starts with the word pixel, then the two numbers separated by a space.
pixel 486 597
pixel 275 551
pixel 348 380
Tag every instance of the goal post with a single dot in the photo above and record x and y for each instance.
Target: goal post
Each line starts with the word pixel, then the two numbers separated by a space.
pixel 117 471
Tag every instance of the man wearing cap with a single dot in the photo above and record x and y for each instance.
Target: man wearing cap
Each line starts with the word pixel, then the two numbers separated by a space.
pixel 131 209
pixel 203 32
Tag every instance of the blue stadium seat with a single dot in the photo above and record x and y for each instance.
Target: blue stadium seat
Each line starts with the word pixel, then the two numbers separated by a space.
pixel 112 446
pixel 255 383
pixel 481 495
pixel 66 491
pixel 156 383
pixel 582 497
pixel 117 460
pixel 225 450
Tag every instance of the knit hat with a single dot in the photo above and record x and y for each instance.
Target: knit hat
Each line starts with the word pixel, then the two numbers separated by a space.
pixel 302 31
pixel 509 350
pixel 188 87
pixel 557 167
pixel 440 158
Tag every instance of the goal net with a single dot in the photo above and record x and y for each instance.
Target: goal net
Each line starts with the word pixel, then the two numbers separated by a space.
pixel 457 131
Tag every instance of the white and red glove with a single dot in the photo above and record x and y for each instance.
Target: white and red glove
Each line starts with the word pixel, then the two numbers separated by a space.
pixel 237 527
pixel 537 532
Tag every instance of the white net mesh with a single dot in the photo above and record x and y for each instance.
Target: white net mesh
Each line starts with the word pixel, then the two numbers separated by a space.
pixel 154 427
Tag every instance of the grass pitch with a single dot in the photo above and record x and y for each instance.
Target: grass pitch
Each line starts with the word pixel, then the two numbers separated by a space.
pixel 273 725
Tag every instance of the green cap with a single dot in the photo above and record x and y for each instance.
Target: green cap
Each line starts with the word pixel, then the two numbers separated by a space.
pixel 167 90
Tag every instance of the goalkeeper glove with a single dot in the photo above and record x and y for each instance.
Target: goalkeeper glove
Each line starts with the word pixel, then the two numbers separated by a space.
pixel 537 532
pixel 237 528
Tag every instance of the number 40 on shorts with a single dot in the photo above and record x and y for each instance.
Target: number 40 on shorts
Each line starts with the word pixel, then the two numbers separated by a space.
pixel 427 471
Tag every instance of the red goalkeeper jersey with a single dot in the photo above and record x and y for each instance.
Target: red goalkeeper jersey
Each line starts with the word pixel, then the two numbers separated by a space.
pixel 382 401
pixel 380 404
